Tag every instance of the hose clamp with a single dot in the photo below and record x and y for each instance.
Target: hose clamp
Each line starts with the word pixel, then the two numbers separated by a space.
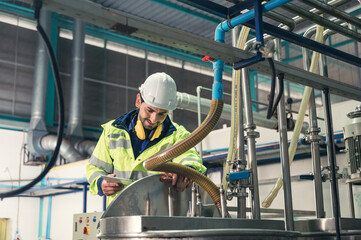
pixel 313 138
pixel 252 134
pixel 249 126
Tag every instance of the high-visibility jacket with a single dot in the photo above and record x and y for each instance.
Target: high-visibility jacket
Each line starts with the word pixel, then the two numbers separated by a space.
pixel 114 153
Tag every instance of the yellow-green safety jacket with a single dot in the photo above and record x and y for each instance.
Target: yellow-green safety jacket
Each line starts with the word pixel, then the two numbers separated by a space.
pixel 114 153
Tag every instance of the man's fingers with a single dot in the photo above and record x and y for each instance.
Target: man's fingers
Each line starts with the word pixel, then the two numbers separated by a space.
pixel 110 190
pixel 189 183
pixel 174 179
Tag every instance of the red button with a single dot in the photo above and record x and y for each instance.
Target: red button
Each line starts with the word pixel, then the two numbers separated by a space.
pixel 80 221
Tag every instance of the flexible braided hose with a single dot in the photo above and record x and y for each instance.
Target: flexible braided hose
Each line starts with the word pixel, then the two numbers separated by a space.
pixel 235 104
pixel 196 176
pixel 300 117
pixel 154 162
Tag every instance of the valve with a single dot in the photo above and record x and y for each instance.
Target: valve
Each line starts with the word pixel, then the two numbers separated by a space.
pixel 208 59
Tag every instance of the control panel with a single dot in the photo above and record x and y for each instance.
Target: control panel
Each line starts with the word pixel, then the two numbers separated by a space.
pixel 85 225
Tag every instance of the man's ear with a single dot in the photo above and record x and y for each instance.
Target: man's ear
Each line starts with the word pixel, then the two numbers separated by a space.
pixel 138 101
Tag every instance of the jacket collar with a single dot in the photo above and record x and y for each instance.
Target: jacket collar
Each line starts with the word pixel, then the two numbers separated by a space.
pixel 124 121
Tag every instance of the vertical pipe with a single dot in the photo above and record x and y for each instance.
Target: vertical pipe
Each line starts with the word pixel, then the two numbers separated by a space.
pixel 316 161
pixel 331 156
pixel 258 22
pixel 314 137
pixel 199 111
pixel 85 192
pixel 40 229
pixel 285 162
pixel 48 224
pixel 223 203
pixel 77 75
pixel 37 121
pixel 331 152
pixel 170 203
pixel 242 193
pixel 199 202
pixel 281 112
pixel 251 136
pixel 194 201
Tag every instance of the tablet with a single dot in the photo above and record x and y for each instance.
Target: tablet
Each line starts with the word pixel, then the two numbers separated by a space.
pixel 123 181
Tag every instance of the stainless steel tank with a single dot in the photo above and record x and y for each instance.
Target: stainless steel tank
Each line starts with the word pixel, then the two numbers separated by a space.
pixel 150 209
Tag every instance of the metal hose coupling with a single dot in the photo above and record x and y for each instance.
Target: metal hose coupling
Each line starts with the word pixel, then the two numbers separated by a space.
pixel 158 162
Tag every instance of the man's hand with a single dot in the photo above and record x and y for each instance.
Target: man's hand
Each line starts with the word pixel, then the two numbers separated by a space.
pixel 181 183
pixel 110 188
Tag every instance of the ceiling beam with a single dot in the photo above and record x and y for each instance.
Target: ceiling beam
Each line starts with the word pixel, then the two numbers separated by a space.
pixel 128 24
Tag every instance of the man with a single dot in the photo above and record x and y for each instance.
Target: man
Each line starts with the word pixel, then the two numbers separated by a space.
pixel 129 140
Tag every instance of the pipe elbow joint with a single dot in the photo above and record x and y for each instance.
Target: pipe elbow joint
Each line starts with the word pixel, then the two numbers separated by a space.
pixel 219 35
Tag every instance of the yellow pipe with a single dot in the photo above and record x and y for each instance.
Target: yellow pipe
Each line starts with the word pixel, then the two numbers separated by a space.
pixel 235 106
pixel 298 126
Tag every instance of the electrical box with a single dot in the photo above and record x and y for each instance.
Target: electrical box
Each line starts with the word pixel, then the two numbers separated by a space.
pixel 85 225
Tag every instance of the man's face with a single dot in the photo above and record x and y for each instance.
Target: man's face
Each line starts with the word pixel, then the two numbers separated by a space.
pixel 151 117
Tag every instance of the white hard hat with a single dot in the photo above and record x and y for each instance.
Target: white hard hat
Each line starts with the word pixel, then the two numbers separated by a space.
pixel 159 90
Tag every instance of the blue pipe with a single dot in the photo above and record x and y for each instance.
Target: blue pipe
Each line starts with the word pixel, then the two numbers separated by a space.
pixel 40 229
pixel 217 89
pixel 228 25
pixel 47 236
pixel 259 22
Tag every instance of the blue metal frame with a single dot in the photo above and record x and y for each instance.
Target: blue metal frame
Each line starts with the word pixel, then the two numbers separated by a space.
pixel 254 13
pixel 228 25
pixel 307 43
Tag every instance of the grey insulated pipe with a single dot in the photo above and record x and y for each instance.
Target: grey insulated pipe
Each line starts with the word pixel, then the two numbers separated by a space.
pixel 85 147
pixel 189 102
pixel 76 93
pixel 67 151
pixel 37 121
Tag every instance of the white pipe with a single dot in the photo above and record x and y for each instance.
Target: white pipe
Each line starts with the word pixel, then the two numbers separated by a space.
pixel 189 102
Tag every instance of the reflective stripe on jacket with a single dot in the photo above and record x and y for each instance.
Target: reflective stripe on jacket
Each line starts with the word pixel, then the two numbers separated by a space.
pixel 114 154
